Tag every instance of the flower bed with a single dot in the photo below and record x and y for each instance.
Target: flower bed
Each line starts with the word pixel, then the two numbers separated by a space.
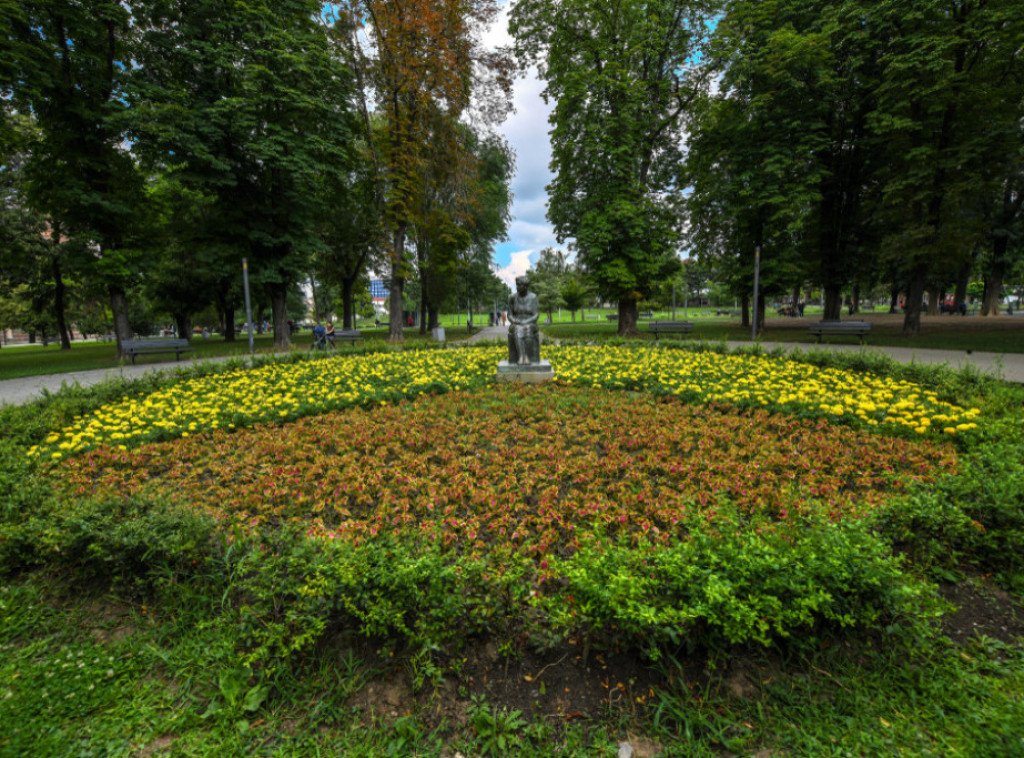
pixel 720 500
pixel 536 471
pixel 281 392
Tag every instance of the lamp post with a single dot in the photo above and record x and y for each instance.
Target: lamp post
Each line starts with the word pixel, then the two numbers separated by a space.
pixel 248 306
pixel 757 276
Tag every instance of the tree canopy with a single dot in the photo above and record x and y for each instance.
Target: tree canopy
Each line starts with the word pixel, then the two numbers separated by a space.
pixel 622 77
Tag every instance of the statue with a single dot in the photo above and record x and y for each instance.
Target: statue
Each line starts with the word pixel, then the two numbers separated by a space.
pixel 523 333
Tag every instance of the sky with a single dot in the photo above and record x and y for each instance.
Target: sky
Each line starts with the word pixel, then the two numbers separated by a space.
pixel 526 130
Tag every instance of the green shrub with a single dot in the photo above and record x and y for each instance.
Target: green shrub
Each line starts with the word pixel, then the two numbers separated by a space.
pixel 130 540
pixel 740 587
pixel 289 589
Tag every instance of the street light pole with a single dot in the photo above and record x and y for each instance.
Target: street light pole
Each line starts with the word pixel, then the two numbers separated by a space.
pixel 757 276
pixel 248 306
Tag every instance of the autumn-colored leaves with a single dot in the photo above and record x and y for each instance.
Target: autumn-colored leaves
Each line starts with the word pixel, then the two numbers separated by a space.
pixel 538 472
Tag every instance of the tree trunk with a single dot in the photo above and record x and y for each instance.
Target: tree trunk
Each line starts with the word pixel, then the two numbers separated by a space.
pixel 58 305
pixel 915 295
pixel 960 293
pixel 317 315
pixel 795 303
pixel 119 308
pixel 894 298
pixel 433 317
pixel 745 310
pixel 933 300
pixel 854 299
pixel 347 306
pixel 183 324
pixel 229 323
pixel 833 302
pixel 627 318
pixel 278 294
pixel 994 278
pixel 395 333
pixel 424 312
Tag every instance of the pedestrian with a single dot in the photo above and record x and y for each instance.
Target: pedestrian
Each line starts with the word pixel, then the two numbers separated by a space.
pixel 329 333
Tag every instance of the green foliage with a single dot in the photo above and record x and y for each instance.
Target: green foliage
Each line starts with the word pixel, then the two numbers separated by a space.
pixel 251 147
pixel 973 518
pixel 620 90
pixel 291 588
pixel 497 731
pixel 744 586
pixel 130 541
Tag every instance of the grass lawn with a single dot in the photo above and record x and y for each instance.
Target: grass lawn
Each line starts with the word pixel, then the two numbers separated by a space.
pixel 33 360
pixel 1001 335
pixel 379 552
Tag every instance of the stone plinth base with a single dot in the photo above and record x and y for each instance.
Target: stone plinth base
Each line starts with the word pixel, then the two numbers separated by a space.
pixel 531 373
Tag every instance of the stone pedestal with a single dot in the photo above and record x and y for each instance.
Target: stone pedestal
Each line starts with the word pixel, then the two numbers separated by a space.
pixel 532 373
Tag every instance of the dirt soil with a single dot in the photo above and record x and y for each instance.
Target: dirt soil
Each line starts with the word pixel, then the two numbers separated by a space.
pixel 558 686
pixel 982 609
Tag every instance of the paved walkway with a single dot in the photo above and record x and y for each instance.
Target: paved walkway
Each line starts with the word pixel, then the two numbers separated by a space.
pixel 26 389
pixel 1008 366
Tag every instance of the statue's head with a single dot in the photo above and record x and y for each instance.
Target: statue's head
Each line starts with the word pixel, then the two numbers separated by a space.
pixel 522 284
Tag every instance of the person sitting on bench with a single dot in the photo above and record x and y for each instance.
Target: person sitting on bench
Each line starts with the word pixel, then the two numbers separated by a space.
pixel 319 338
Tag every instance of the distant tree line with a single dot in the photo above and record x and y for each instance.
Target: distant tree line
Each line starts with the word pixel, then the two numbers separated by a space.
pixel 147 146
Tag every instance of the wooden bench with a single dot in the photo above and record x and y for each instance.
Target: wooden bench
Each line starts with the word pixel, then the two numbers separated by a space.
pixel 669 327
pixel 840 328
pixel 346 335
pixel 141 347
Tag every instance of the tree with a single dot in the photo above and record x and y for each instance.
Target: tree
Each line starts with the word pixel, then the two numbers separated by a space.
pixel 1004 212
pixel 462 218
pixel 68 64
pixel 575 292
pixel 352 233
pixel 249 106
pixel 780 158
pixel 425 62
pixel 622 77
pixel 548 277
pixel 949 111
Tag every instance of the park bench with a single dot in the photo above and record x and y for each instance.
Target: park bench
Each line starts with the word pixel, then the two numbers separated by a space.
pixel 142 347
pixel 726 313
pixel 669 327
pixel 347 335
pixel 840 328
pixel 612 316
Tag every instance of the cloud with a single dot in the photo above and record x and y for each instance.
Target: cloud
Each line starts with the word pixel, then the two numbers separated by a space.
pixel 519 263
pixel 526 130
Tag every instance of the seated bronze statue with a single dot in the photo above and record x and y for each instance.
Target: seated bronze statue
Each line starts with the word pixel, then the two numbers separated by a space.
pixel 523 333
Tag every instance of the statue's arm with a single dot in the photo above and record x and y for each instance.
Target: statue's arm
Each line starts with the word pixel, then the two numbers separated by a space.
pixel 513 318
pixel 534 316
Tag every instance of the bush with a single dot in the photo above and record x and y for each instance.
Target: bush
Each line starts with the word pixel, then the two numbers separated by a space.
pixel 131 540
pixel 740 587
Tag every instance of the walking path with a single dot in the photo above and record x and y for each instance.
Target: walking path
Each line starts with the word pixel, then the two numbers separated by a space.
pixel 1007 366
